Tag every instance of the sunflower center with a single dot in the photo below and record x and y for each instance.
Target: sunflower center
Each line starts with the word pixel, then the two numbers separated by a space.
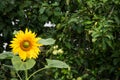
pixel 25 45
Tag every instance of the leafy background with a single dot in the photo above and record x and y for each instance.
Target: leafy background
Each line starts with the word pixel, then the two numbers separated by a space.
pixel 88 31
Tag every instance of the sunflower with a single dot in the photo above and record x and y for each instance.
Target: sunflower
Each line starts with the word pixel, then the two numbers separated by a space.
pixel 26 45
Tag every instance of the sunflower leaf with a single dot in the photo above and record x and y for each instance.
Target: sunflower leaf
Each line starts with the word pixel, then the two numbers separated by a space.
pixel 48 41
pixel 18 64
pixel 6 55
pixel 56 64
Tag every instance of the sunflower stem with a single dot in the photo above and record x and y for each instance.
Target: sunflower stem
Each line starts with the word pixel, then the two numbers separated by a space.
pixel 26 75
pixel 18 75
pixel 37 72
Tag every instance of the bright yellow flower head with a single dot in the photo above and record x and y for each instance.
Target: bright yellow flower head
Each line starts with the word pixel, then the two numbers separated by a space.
pixel 25 44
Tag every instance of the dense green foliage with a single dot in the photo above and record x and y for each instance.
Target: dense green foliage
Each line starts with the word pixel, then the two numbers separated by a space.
pixel 88 31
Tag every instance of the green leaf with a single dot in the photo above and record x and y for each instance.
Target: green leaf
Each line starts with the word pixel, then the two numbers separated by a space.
pixel 67 2
pixel 88 22
pixel 72 20
pixel 48 41
pixel 41 11
pixel 105 1
pixel 68 45
pixel 110 44
pixel 18 64
pixel 56 64
pixel 14 79
pixel 6 55
pixel 55 4
pixel 103 44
